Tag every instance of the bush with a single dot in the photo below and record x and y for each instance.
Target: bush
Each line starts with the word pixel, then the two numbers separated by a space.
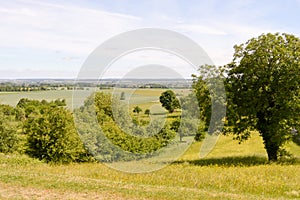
pixel 52 137
pixel 9 136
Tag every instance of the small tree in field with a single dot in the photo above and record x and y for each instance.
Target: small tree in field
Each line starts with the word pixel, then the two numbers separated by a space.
pixel 169 101
pixel 123 97
pixel 137 110
pixel 147 112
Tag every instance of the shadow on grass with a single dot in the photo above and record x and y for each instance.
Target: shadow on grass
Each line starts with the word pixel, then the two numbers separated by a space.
pixel 159 113
pixel 237 161
pixel 172 117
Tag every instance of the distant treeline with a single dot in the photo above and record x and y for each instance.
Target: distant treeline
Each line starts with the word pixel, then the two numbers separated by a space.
pixel 27 85
pixel 12 87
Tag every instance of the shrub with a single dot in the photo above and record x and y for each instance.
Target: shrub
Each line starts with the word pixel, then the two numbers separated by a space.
pixel 9 137
pixel 52 137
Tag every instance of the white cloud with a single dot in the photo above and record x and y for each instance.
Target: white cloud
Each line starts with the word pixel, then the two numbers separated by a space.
pixel 55 27
pixel 71 31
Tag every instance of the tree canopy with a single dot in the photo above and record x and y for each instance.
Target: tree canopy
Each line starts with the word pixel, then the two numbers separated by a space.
pixel 263 86
pixel 169 101
pixel 262 90
pixel 137 109
pixel 52 136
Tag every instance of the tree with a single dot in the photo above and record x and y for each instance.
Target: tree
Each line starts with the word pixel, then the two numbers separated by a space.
pixel 52 136
pixel 201 91
pixel 137 110
pixel 147 112
pixel 263 90
pixel 169 101
pixel 123 97
pixel 207 102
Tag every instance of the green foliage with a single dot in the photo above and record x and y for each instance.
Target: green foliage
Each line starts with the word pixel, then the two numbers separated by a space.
pixel 203 96
pixel 208 93
pixel 33 107
pixel 188 127
pixel 263 90
pixel 9 136
pixel 127 135
pixel 137 109
pixel 51 134
pixel 118 137
pixel 169 101
pixel 147 112
pixel 60 102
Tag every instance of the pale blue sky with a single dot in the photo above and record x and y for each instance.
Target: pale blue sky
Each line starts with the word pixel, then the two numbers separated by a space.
pixel 51 39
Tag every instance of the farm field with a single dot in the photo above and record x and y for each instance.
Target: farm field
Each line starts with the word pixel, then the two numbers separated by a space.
pixel 230 171
pixel 139 96
pixel 12 98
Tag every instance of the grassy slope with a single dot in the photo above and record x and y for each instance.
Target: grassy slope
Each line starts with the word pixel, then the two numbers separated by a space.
pixel 243 175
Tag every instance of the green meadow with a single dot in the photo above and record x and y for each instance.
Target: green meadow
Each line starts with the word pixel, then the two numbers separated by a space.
pixel 12 98
pixel 137 96
pixel 230 171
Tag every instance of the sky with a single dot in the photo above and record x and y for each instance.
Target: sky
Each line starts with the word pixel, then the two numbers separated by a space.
pixel 52 39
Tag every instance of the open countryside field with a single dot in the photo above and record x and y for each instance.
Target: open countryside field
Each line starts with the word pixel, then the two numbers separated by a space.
pixel 12 98
pixel 231 171
pixel 138 96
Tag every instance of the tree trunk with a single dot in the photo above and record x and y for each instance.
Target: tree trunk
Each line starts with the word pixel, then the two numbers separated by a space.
pixel 272 151
pixel 271 145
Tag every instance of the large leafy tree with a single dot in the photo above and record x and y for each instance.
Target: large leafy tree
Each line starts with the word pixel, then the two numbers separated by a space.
pixel 263 86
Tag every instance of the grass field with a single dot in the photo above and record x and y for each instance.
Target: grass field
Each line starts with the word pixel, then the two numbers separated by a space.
pixel 12 98
pixel 138 96
pixel 230 171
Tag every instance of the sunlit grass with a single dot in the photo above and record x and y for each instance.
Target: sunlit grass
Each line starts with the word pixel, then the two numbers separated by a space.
pixel 221 175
